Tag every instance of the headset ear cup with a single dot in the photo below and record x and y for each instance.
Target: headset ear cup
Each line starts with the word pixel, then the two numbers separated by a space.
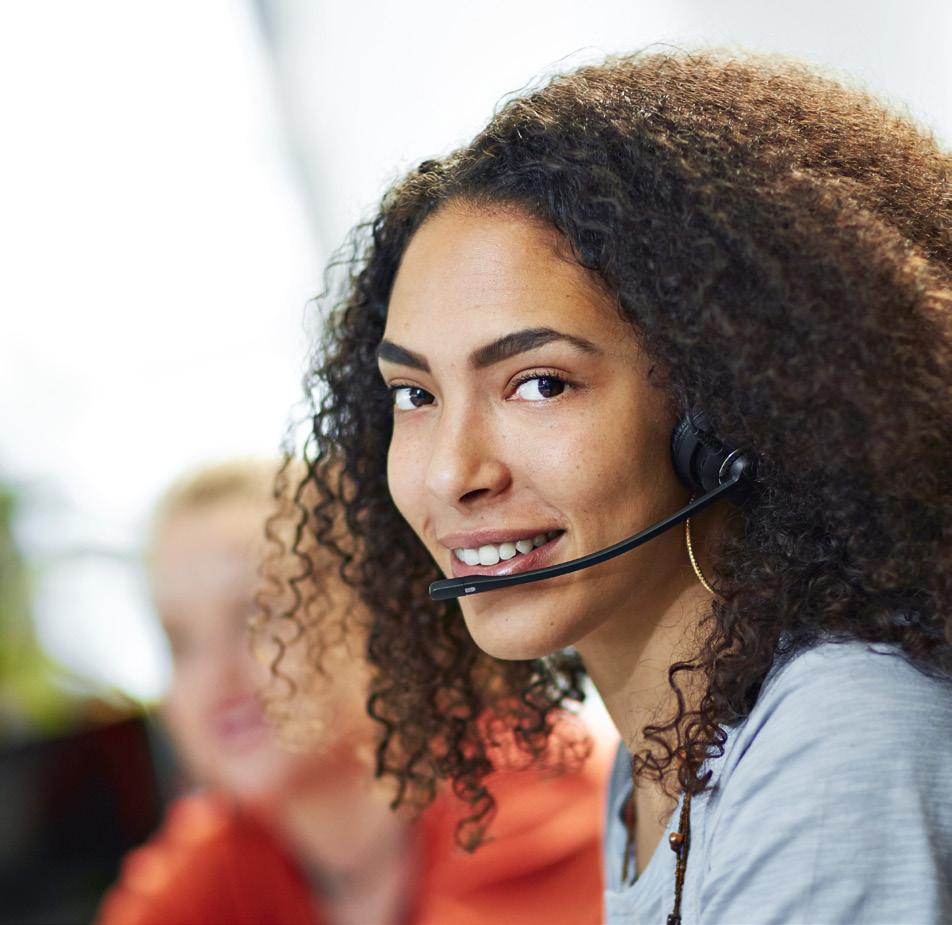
pixel 697 455
pixel 682 449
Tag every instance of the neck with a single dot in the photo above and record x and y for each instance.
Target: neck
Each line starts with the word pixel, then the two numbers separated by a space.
pixel 630 670
pixel 353 846
pixel 637 693
pixel 629 655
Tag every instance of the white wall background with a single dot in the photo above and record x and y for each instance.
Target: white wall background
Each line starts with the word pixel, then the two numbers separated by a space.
pixel 172 178
pixel 156 260
pixel 370 87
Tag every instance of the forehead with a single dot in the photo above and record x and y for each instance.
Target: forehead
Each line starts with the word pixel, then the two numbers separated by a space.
pixel 468 272
pixel 207 552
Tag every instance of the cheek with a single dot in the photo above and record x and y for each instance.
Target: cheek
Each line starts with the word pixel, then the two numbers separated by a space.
pixel 404 478
pixel 612 467
pixel 182 714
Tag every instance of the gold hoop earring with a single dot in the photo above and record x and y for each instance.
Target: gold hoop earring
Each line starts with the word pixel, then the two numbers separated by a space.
pixel 694 565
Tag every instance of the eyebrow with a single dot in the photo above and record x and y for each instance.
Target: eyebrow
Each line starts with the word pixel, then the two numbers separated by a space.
pixel 394 353
pixel 494 352
pixel 522 341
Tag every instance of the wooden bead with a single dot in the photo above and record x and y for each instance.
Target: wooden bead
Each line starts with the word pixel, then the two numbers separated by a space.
pixel 628 812
pixel 676 840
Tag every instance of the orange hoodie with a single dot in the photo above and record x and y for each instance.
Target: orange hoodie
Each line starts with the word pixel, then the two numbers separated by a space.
pixel 212 864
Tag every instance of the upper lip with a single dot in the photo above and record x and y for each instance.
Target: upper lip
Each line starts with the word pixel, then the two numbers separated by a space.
pixel 242 702
pixel 477 538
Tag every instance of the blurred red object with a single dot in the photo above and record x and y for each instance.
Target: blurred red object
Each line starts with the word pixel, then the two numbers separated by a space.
pixel 213 862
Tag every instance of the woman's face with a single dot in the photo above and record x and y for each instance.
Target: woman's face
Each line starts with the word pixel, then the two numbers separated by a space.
pixel 204 576
pixel 526 432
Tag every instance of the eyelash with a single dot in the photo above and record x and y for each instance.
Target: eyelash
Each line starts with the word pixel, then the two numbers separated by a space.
pixel 399 387
pixel 529 376
pixel 519 381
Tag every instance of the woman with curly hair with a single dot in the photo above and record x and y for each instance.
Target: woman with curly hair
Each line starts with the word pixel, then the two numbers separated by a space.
pixel 757 260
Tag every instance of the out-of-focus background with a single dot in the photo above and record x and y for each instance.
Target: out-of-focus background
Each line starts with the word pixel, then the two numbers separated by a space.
pixel 173 178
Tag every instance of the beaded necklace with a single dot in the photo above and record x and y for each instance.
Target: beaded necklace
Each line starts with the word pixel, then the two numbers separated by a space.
pixel 678 841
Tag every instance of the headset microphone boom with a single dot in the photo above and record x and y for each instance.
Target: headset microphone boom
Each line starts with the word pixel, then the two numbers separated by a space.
pixel 703 463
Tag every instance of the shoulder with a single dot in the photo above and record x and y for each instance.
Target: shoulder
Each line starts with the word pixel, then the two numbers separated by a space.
pixel 850 718
pixel 541 861
pixel 179 873
pixel 849 699
pixel 854 668
pixel 833 800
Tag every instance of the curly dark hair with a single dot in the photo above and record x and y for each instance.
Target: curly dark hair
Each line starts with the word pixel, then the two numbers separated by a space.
pixel 782 246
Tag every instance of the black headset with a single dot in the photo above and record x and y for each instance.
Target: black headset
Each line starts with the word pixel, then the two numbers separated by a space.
pixel 703 461
pixel 709 469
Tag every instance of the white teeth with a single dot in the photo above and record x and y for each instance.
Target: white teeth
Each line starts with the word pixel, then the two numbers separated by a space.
pixel 488 555
pixel 491 554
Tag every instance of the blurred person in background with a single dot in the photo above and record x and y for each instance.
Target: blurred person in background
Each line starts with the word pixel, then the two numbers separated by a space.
pixel 304 835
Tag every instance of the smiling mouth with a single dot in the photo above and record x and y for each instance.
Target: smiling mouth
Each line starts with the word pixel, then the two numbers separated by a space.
pixel 240 725
pixel 506 558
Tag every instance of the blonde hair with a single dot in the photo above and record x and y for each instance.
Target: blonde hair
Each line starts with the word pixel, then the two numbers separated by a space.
pixel 250 480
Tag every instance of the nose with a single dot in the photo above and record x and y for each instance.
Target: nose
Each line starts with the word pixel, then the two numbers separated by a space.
pixel 465 468
pixel 230 663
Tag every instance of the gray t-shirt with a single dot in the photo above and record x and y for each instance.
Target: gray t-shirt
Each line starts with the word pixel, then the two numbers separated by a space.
pixel 832 803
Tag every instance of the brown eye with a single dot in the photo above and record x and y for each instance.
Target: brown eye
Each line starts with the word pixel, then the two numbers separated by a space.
pixel 408 397
pixel 540 387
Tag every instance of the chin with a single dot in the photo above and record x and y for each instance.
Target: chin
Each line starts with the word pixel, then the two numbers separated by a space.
pixel 520 630
pixel 257 775
pixel 251 786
